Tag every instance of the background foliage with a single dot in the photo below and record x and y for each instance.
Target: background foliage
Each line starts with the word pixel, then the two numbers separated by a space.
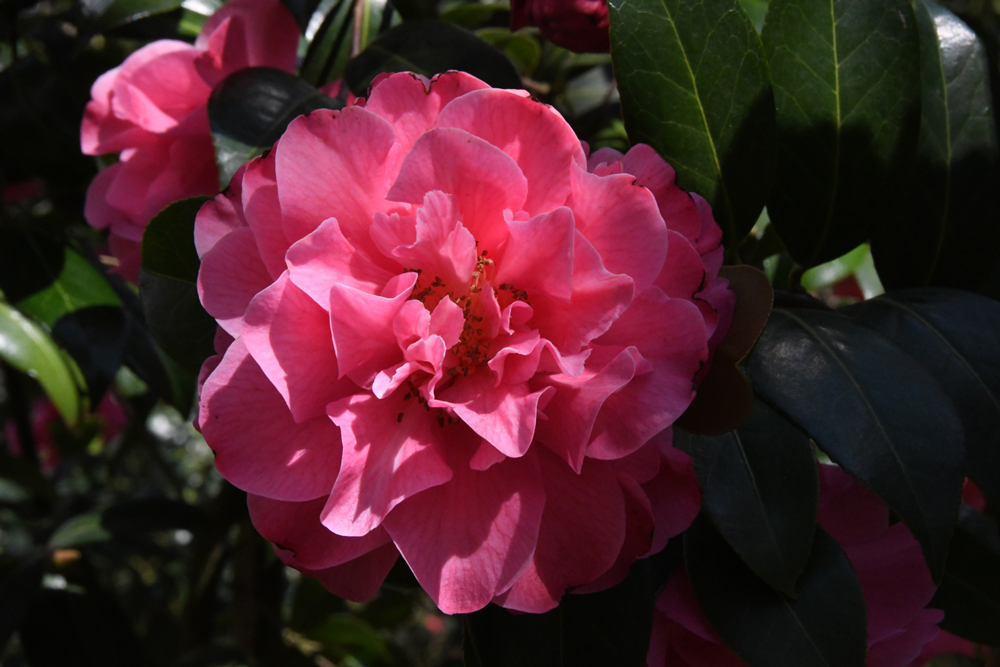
pixel 127 548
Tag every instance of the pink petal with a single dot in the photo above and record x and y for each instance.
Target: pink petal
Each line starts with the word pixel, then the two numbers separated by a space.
pixel 268 37
pixel 98 212
pixel 670 334
pixel 847 510
pixel 622 221
pixel 258 446
pixel 538 255
pixel 443 247
pixel 573 408
pixel 582 532
pixel 129 256
pixel 902 649
pixel 101 131
pixel 406 101
pixel 599 298
pixel 336 164
pixel 300 540
pixel 683 273
pixel 676 206
pixel 711 235
pixel 359 580
pixel 231 274
pixel 362 328
pixel 220 215
pixel 534 134
pixel 261 211
pixel 467 540
pixel 289 337
pixel 643 464
pixel 140 95
pixel 484 180
pixel 674 495
pixel 325 258
pixel 504 415
pixel 386 459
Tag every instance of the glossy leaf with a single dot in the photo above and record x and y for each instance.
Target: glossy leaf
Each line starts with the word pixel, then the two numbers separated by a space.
pixel 250 109
pixel 168 286
pixel 944 230
pixel 330 47
pixel 873 409
pixel 116 13
pixel 969 593
pixel 847 92
pixel 429 48
pixel 823 626
pixel 694 86
pixel 607 628
pixel 760 489
pixel 26 347
pixel 954 335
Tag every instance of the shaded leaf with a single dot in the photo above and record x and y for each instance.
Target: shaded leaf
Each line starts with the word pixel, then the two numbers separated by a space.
pixel 115 13
pixel 944 230
pixel 302 10
pixel 168 289
pixel 847 92
pixel 330 48
pixel 96 338
pixel 26 347
pixel 823 626
pixel 250 109
pixel 760 489
pixel 954 335
pixel 522 50
pixel 607 628
pixel 694 86
pixel 81 529
pixel 969 592
pixel 873 409
pixel 429 48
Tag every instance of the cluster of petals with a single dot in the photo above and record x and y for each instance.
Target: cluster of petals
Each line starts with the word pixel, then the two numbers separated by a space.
pixel 895 582
pixel 446 334
pixel 577 25
pixel 152 109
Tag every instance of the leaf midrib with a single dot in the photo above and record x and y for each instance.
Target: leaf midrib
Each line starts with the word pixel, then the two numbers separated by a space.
pixel 828 224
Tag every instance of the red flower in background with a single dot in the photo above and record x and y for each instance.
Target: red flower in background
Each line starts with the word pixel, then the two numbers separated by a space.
pixel 577 25
pixel 895 582
pixel 457 340
pixel 153 110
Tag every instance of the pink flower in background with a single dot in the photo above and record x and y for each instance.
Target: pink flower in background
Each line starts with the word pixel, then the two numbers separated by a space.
pixel 44 416
pixel 445 335
pixel 894 579
pixel 152 109
pixel 577 25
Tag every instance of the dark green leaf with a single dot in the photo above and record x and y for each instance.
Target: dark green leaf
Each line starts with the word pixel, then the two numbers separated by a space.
pixel 95 337
pixel 522 50
pixel 846 83
pixel 969 593
pixel 81 529
pixel 756 10
pixel 760 489
pixel 330 48
pixel 873 409
pixel 115 13
pixel 822 627
pixel 429 48
pixel 944 230
pixel 954 335
pixel 30 350
pixel 28 264
pixel 694 86
pixel 168 289
pixel 77 285
pixel 250 109
pixel 607 628
pixel 302 10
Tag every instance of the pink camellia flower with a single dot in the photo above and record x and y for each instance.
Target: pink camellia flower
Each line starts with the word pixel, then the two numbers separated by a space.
pixel 895 582
pixel 577 25
pixel 153 110
pixel 444 335
pixel 44 415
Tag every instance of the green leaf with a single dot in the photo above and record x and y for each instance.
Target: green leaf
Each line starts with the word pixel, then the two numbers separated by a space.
pixel 429 48
pixel 822 627
pixel 168 286
pixel 607 628
pixel 760 489
pixel 475 14
pixel 874 409
pixel 26 347
pixel 330 46
pixel 522 50
pixel 250 109
pixel 117 13
pixel 78 285
pixel 756 10
pixel 943 230
pixel 847 92
pixel 80 530
pixel 694 86
pixel 302 10
pixel 832 272
pixel 969 593
pixel 954 335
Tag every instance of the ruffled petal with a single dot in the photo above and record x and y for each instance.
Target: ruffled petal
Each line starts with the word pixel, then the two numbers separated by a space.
pixel 258 446
pixel 231 274
pixel 538 255
pixel 358 580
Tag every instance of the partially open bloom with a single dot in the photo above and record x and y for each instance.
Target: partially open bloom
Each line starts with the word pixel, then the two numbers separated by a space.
pixel 446 336
pixel 153 110
pixel 895 582
pixel 577 25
